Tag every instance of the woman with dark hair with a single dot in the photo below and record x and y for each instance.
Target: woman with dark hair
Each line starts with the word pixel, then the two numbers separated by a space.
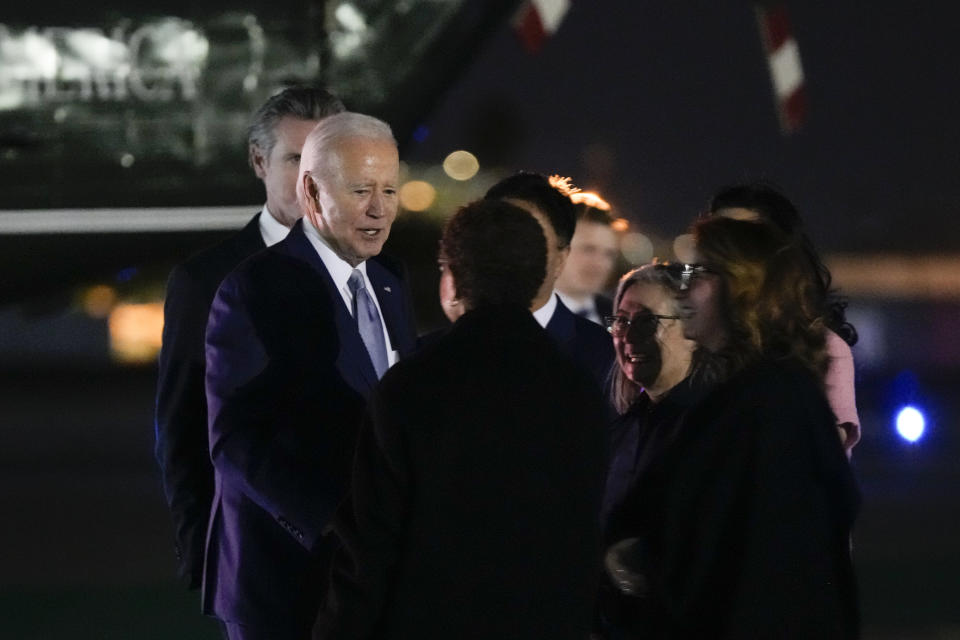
pixel 479 473
pixel 753 536
pixel 652 387
pixel 763 201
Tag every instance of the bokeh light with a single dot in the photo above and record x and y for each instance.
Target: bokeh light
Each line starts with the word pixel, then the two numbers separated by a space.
pixel 911 423
pixel 620 225
pixel 461 165
pixel 417 195
pixel 590 199
pixel 684 248
pixel 136 331
pixel 98 301
pixel 636 247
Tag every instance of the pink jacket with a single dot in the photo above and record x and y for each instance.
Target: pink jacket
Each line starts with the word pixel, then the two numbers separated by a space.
pixel 840 390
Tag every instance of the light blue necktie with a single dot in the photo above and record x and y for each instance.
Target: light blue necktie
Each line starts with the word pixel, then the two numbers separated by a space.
pixel 368 322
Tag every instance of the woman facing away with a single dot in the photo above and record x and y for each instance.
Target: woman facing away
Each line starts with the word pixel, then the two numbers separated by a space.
pixel 750 537
pixel 762 201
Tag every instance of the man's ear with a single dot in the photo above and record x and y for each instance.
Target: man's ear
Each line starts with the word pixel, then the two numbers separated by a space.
pixel 562 255
pixel 258 161
pixel 311 194
pixel 452 306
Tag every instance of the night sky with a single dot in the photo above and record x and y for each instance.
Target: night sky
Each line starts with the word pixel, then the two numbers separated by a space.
pixel 659 103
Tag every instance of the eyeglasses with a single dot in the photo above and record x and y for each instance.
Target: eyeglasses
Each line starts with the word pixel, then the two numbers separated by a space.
pixel 643 322
pixel 691 272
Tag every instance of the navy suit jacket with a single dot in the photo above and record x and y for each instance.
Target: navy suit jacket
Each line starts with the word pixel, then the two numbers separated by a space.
pixel 586 342
pixel 287 380
pixel 603 305
pixel 181 412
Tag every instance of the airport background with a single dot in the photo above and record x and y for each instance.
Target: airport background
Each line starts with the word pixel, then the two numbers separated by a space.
pixel 652 104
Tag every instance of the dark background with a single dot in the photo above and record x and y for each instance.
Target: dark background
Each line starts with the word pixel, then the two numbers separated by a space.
pixel 655 104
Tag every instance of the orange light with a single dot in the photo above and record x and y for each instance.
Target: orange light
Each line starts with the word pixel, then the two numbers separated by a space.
pixel 135 331
pixel 897 276
pixel 563 184
pixel 620 224
pixel 590 199
pixel 417 195
pixel 98 300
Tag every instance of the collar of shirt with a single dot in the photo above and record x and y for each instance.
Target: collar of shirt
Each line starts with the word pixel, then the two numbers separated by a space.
pixel 271 230
pixel 545 313
pixel 338 268
pixel 578 305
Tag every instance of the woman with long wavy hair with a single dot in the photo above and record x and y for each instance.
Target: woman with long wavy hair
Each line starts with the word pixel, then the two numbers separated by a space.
pixel 764 201
pixel 753 531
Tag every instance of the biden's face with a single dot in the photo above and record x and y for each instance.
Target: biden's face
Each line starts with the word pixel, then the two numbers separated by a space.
pixel 355 197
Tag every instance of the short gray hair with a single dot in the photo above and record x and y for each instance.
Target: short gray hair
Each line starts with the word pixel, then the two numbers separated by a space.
pixel 319 145
pixel 301 102
pixel 329 132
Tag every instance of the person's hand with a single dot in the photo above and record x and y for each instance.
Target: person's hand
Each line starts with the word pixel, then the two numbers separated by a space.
pixel 849 436
pixel 623 573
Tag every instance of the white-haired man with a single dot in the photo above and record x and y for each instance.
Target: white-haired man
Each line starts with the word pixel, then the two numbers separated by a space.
pixel 297 337
pixel 275 139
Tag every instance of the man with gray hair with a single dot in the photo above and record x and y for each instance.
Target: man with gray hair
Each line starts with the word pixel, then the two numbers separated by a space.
pixel 275 138
pixel 297 337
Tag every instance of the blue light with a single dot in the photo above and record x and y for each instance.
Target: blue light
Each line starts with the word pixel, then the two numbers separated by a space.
pixel 126 275
pixel 910 424
pixel 421 133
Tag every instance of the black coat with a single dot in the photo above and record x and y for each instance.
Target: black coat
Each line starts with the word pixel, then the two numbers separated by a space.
pixel 640 442
pixel 475 493
pixel 181 411
pixel 745 531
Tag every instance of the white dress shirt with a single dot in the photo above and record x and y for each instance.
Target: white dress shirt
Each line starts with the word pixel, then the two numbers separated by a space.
pixel 340 270
pixel 544 314
pixel 271 230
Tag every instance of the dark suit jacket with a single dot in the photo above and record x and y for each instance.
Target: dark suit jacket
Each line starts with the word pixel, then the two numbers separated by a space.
pixel 603 305
pixel 475 493
pixel 586 342
pixel 181 412
pixel 287 379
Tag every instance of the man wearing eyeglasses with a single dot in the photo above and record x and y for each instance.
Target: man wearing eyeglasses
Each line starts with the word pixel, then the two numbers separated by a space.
pixel 586 342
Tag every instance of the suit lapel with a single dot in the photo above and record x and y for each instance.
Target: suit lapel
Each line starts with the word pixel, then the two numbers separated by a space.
pixel 353 360
pixel 248 239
